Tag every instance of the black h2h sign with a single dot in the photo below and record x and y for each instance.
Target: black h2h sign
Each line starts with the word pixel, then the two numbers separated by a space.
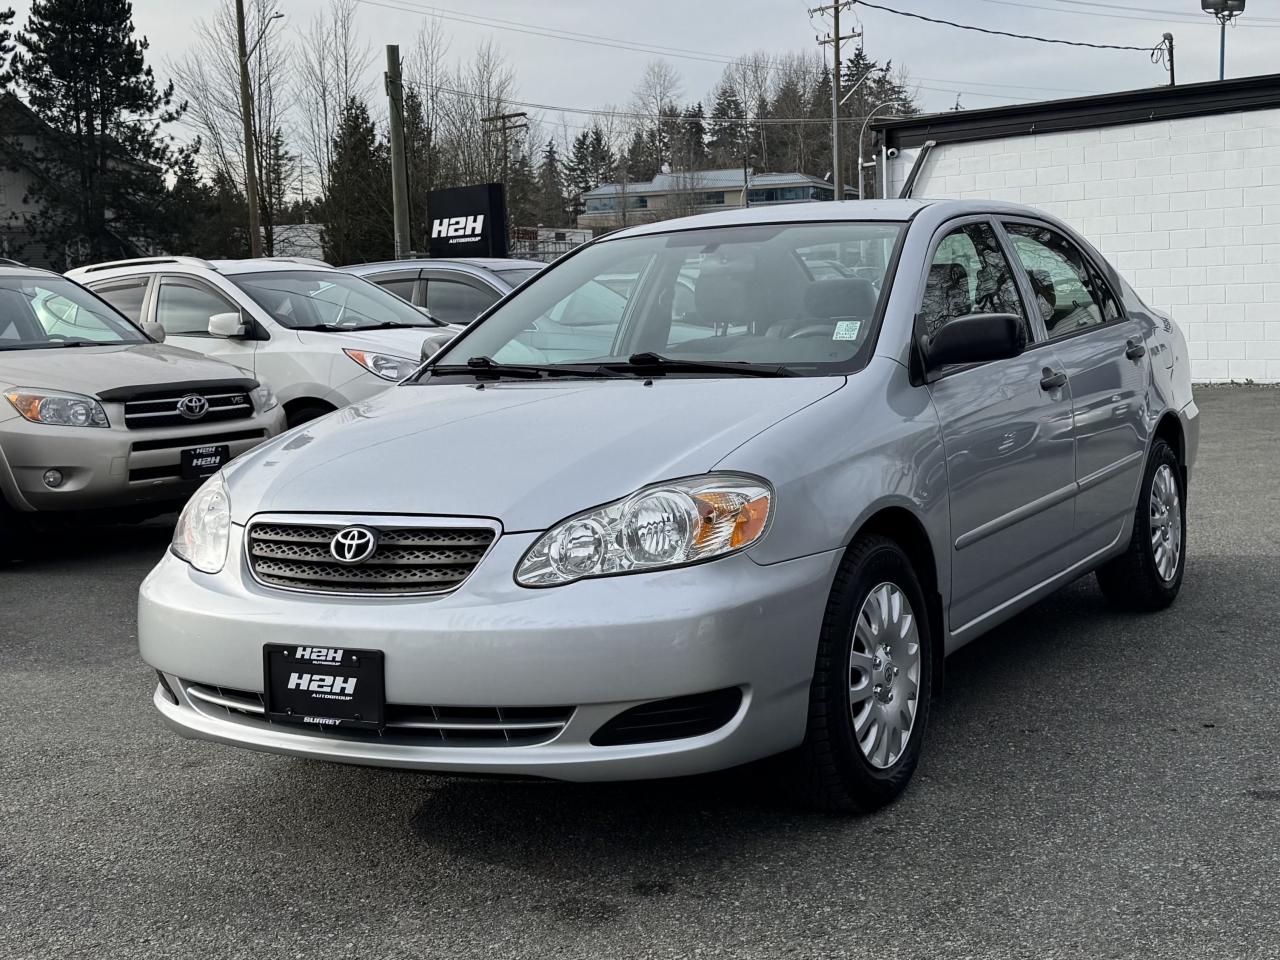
pixel 467 221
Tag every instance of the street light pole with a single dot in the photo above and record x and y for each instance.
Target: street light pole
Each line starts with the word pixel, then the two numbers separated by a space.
pixel 1224 11
pixel 861 133
pixel 246 113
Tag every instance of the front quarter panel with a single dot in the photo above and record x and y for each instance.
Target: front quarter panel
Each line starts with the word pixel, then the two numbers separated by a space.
pixel 834 464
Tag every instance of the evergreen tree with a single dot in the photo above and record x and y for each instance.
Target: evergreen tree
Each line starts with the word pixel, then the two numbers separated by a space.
pixel 101 188
pixel 205 220
pixel 6 48
pixel 643 160
pixel 422 157
pixel 577 173
pixel 727 140
pixel 357 222
pixel 522 192
pixel 279 172
pixel 601 156
pixel 689 142
pixel 551 205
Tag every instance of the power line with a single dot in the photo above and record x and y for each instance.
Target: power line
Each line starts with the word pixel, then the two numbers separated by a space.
pixel 1161 16
pixel 1001 33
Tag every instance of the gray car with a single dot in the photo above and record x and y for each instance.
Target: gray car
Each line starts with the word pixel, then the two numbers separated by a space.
pixel 454 291
pixel 647 552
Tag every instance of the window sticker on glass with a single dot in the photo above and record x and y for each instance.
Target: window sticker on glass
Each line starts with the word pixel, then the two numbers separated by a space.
pixel 847 330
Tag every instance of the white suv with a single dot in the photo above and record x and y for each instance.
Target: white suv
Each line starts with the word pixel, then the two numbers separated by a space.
pixel 319 337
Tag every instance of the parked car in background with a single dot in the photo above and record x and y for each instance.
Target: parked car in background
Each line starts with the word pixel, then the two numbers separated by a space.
pixel 671 553
pixel 319 337
pixel 98 415
pixel 453 291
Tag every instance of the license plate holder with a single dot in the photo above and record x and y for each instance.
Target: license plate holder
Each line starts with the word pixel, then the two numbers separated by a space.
pixel 330 688
pixel 201 462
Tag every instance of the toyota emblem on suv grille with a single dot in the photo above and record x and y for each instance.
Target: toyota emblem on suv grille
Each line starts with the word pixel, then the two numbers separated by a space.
pixel 353 545
pixel 193 406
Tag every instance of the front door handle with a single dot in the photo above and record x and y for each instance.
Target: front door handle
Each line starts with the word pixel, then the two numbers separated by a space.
pixel 1052 379
pixel 1134 350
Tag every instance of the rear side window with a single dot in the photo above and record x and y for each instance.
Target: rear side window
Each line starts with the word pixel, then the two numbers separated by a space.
pixel 455 302
pixel 1070 293
pixel 401 288
pixel 184 310
pixel 969 274
pixel 127 297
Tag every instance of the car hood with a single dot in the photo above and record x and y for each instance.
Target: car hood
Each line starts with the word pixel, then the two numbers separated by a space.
pixel 405 342
pixel 526 454
pixel 90 370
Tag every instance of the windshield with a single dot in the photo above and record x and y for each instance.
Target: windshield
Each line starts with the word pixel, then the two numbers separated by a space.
pixel 43 312
pixel 328 300
pixel 800 296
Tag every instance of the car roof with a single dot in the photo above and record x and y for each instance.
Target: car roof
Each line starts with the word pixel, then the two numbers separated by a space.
pixel 181 264
pixel 493 264
pixel 13 270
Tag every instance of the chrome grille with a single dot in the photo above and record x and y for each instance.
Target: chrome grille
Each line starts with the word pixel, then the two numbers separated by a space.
pixel 162 411
pixel 407 560
pixel 409 724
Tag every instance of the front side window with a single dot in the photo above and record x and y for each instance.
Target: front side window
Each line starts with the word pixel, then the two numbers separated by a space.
pixel 127 297
pixel 402 288
pixel 969 274
pixel 455 302
pixel 327 300
pixel 726 295
pixel 1070 292
pixel 184 309
pixel 38 312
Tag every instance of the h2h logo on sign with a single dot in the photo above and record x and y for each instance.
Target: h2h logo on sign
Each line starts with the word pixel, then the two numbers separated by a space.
pixel 461 228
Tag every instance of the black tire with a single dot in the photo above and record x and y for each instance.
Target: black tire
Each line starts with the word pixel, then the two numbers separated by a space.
pixel 304 412
pixel 834 774
pixel 1132 581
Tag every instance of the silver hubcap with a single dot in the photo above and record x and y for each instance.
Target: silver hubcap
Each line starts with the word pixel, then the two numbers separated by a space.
pixel 1166 523
pixel 884 675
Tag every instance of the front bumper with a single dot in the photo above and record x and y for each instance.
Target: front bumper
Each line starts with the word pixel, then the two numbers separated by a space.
pixel 600 646
pixel 116 466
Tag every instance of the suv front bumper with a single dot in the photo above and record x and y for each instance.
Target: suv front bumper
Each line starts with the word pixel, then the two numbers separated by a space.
pixel 598 646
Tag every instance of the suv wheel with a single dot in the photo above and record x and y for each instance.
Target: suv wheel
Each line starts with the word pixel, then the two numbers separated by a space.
pixel 869 701
pixel 1148 575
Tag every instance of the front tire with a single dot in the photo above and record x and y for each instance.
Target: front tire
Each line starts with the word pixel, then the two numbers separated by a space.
pixel 869 700
pixel 1148 575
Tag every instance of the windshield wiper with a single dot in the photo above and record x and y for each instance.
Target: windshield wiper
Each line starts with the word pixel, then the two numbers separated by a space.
pixel 486 368
pixel 653 363
pixel 58 344
pixel 347 328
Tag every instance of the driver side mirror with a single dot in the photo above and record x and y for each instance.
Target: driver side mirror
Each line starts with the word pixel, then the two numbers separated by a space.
pixel 229 326
pixel 976 338
pixel 430 348
pixel 153 330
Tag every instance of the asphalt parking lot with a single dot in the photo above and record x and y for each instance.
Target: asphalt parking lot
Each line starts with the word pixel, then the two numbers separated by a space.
pixel 1095 785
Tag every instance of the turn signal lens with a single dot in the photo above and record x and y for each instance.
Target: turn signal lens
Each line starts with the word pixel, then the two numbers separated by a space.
pixel 665 525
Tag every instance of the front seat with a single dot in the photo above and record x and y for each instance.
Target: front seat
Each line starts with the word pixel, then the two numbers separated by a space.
pixel 828 301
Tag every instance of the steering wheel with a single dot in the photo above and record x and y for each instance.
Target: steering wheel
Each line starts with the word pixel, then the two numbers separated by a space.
pixel 811 330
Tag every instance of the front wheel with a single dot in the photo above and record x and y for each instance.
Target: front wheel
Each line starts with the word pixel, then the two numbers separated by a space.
pixel 869 701
pixel 1148 575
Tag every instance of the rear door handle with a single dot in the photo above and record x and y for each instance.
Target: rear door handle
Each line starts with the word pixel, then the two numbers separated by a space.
pixel 1134 350
pixel 1052 379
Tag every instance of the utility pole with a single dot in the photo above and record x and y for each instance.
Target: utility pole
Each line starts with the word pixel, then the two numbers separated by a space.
pixel 835 38
pixel 246 114
pixel 508 123
pixel 399 168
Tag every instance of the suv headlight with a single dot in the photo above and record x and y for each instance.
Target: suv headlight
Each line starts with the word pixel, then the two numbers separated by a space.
pixel 383 365
pixel 264 399
pixel 204 527
pixel 664 525
pixel 60 409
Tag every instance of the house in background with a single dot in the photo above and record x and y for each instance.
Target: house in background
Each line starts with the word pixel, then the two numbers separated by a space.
pixel 679 194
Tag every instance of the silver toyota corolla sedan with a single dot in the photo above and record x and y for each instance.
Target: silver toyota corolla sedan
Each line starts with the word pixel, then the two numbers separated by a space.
pixel 690 498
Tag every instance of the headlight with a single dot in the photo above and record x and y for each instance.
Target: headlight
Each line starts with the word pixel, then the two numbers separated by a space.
pixel 665 525
pixel 61 409
pixel 383 365
pixel 204 527
pixel 264 399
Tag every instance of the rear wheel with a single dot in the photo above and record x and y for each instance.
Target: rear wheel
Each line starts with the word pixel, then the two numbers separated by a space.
pixel 869 701
pixel 1148 575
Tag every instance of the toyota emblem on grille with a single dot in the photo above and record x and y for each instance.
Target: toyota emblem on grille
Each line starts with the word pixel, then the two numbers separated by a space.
pixel 353 545
pixel 193 406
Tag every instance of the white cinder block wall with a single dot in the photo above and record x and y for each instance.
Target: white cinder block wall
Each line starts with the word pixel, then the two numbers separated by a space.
pixel 1187 209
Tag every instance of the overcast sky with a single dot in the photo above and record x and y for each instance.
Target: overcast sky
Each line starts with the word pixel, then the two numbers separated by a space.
pixel 985 70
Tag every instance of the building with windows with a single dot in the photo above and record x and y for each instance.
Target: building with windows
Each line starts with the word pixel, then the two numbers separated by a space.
pixel 681 193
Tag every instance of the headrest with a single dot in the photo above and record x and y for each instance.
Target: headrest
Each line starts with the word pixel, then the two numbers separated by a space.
pixel 720 293
pixel 840 297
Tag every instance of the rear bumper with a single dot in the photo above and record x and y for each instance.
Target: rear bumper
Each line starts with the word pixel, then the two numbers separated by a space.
pixel 599 647
pixel 113 467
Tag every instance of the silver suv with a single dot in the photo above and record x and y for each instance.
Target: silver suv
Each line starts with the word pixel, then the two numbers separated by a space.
pixel 98 415
pixel 744 503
